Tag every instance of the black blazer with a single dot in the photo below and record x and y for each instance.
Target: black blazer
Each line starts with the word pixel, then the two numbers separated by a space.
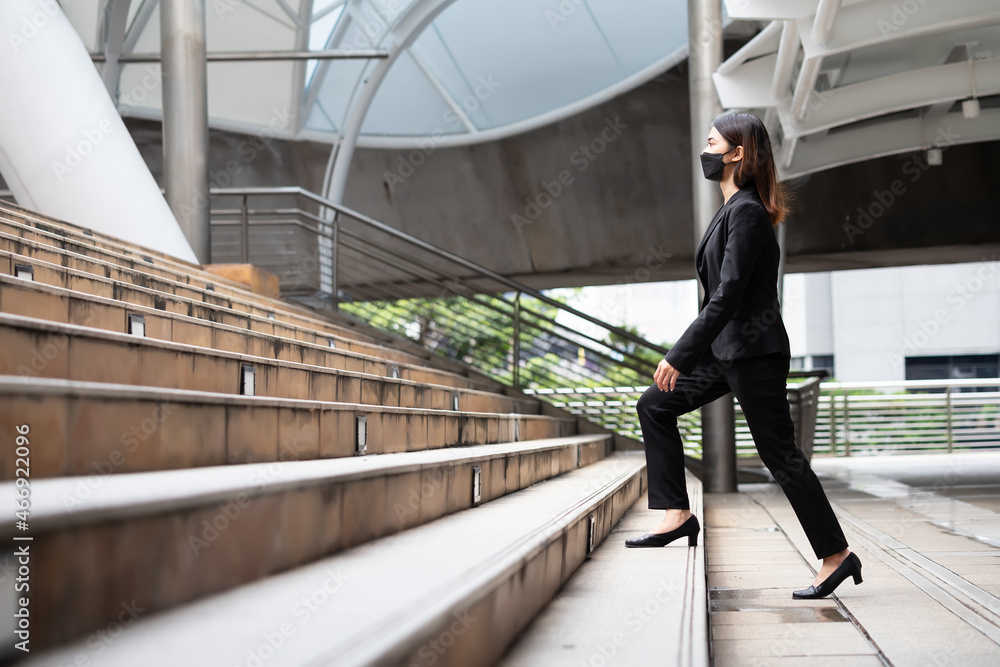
pixel 737 263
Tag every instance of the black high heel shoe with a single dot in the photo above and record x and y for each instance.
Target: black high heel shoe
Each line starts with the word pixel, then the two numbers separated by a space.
pixel 691 527
pixel 851 567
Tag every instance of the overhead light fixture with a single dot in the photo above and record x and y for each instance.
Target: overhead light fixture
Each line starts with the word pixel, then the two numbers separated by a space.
pixel 933 156
pixel 970 107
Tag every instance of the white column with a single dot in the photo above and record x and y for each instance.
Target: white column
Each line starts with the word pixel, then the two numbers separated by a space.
pixel 718 420
pixel 185 119
pixel 64 150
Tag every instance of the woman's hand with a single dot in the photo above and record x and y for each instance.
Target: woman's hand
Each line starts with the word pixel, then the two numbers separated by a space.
pixel 665 376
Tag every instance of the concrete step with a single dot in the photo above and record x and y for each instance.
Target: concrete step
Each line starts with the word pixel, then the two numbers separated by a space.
pixel 153 265
pixel 160 539
pixel 260 338
pixel 627 606
pixel 11 213
pixel 65 245
pixel 94 355
pixel 453 592
pixel 87 246
pixel 88 426
pixel 137 288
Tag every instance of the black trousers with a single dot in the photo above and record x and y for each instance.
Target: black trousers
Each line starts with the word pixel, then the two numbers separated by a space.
pixel 759 385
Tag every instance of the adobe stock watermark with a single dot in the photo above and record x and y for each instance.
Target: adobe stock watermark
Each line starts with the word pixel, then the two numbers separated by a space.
pixel 562 12
pixel 428 488
pixel 224 7
pixel 249 149
pixel 751 330
pixel 667 594
pixel 371 26
pixel 653 262
pixel 581 159
pixel 608 474
pixel 432 650
pixel 958 296
pixel 44 354
pixel 408 164
pixel 229 512
pixel 272 641
pixel 899 15
pixel 50 349
pixel 32 26
pixel 883 200
pixel 99 641
pixel 137 94
pixel 85 144
pixel 307 270
pixel 89 139
pixel 130 441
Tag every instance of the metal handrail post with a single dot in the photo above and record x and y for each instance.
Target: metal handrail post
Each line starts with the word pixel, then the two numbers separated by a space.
pixel 461 261
pixel 245 229
pixel 847 424
pixel 833 422
pixel 517 342
pixel 948 417
pixel 334 251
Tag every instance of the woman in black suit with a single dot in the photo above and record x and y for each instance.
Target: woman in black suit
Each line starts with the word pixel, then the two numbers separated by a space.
pixel 738 344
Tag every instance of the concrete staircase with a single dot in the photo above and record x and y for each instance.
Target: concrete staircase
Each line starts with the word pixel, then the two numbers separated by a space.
pixel 218 477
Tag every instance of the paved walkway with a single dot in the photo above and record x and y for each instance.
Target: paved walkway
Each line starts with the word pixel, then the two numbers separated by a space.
pixel 927 530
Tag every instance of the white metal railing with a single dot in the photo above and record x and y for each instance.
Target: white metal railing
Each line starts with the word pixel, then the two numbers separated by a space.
pixel 906 417
pixel 852 418
pixel 614 408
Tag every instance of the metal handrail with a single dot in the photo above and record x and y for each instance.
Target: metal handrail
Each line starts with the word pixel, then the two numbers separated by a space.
pixel 245 223
pixel 913 384
pixel 515 305
pixel 433 249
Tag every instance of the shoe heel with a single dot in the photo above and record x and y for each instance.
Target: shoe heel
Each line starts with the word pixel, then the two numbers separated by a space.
pixel 693 540
pixel 857 578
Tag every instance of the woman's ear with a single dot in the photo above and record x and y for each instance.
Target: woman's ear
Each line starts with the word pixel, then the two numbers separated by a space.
pixel 737 154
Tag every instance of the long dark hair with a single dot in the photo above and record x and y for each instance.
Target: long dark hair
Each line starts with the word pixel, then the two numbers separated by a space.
pixel 757 165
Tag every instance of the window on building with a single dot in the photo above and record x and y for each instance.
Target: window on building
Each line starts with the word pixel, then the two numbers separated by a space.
pixel 822 362
pixel 814 362
pixel 949 367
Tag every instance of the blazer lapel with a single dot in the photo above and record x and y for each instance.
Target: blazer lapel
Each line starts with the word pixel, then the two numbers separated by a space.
pixel 704 240
pixel 715 223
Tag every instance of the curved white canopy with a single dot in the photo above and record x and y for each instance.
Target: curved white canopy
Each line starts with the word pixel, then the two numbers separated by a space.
pixel 461 71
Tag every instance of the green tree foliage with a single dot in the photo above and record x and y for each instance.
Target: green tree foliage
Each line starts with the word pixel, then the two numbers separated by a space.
pixel 479 330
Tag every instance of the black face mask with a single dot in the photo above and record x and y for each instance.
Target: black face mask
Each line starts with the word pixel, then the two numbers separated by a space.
pixel 712 164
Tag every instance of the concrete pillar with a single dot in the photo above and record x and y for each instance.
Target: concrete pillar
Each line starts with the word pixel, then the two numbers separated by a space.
pixel 704 57
pixel 185 119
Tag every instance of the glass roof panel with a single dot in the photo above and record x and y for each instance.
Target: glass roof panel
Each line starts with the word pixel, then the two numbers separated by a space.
pixel 640 37
pixel 326 14
pixel 482 69
pixel 404 84
pixel 241 95
pixel 509 61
